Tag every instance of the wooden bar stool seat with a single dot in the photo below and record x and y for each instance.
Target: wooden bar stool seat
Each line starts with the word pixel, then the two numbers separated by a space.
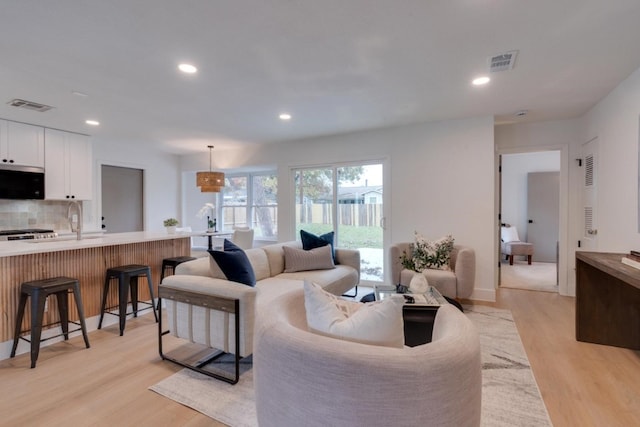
pixel 127 276
pixel 39 290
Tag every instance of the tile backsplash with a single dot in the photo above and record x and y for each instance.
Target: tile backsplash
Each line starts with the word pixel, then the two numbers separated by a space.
pixel 20 214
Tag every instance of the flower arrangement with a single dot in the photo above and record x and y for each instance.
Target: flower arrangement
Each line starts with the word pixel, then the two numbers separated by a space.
pixel 170 222
pixel 425 254
pixel 208 207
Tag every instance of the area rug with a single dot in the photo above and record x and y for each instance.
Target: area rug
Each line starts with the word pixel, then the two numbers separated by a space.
pixel 510 395
pixel 539 276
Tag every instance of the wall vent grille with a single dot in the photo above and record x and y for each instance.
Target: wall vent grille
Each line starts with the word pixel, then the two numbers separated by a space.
pixel 29 105
pixel 588 220
pixel 588 171
pixel 502 62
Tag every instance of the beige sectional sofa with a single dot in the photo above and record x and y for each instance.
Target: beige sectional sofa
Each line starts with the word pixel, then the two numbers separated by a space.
pixel 458 282
pixel 304 378
pixel 217 328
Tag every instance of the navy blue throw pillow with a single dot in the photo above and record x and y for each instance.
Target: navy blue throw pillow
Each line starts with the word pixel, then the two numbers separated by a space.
pixel 234 263
pixel 311 241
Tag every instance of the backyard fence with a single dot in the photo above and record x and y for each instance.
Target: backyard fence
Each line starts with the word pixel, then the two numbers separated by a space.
pixel 362 215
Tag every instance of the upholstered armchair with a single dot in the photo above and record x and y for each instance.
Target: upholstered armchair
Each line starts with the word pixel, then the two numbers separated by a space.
pixel 458 282
pixel 511 245
pixel 243 237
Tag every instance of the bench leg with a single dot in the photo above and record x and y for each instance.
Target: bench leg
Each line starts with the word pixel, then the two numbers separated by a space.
pixel 529 259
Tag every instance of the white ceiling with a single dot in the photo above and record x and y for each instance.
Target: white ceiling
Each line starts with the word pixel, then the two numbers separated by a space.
pixel 335 65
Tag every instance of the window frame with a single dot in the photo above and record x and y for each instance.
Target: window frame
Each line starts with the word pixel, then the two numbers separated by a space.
pixel 249 204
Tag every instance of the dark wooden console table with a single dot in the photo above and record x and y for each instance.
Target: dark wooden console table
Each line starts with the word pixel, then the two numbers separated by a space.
pixel 607 300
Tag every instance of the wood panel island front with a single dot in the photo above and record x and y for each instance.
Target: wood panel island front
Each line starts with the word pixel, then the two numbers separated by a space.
pixel 86 260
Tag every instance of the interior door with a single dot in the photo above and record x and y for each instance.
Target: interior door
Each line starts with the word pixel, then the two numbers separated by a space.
pixel 543 207
pixel 122 199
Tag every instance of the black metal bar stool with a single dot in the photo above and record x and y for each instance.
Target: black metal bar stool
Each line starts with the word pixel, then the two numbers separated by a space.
pixel 172 263
pixel 127 276
pixel 39 290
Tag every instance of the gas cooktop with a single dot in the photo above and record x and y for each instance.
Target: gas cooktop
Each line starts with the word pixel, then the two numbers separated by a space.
pixel 25 231
pixel 27 234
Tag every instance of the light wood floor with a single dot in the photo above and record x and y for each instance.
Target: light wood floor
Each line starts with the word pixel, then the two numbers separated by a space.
pixel 582 384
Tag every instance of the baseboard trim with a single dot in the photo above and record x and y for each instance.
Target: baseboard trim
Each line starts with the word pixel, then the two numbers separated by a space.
pixel 483 295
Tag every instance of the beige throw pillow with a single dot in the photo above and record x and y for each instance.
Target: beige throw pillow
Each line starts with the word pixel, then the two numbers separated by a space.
pixel 301 260
pixel 376 323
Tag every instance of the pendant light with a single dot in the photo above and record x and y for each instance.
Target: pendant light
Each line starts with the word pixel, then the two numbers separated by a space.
pixel 210 182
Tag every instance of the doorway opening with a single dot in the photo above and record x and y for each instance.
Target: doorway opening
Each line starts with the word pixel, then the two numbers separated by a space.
pixel 122 199
pixel 530 213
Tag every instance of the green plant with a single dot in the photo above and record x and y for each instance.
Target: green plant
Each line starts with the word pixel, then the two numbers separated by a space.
pixel 425 254
pixel 171 222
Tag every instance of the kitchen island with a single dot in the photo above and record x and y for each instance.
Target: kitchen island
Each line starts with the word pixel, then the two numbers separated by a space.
pixel 85 260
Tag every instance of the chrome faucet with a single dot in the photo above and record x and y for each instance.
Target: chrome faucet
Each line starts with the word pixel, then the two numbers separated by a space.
pixel 78 208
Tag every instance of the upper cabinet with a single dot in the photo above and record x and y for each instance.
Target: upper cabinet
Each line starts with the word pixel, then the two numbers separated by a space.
pixel 68 173
pixel 21 144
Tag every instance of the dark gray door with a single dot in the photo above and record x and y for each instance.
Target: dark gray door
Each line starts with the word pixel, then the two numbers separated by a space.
pixel 543 210
pixel 122 199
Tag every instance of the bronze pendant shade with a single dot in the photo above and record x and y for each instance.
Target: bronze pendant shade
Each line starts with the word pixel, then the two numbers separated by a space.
pixel 210 182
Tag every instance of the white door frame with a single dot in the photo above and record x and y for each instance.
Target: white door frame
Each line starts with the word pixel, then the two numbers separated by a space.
pixel 96 203
pixel 563 238
pixel 386 201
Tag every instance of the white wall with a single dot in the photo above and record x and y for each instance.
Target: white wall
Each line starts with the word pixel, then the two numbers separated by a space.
pixel 515 170
pixel 441 180
pixel 562 135
pixel 614 121
pixel 162 180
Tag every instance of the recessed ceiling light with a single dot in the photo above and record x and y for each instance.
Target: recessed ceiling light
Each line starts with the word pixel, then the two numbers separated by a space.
pixel 285 116
pixel 92 122
pixel 481 81
pixel 82 94
pixel 187 68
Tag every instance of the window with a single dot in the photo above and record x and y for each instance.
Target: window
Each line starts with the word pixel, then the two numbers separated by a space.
pixel 234 203
pixel 346 199
pixel 264 212
pixel 251 201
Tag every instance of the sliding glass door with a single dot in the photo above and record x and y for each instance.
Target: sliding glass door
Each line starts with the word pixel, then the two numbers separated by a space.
pixel 346 199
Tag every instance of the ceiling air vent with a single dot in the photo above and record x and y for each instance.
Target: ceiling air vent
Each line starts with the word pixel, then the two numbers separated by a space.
pixel 29 105
pixel 503 61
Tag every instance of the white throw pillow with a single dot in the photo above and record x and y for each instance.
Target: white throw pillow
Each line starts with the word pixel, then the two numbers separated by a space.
pixel 376 323
pixel 509 234
pixel 302 260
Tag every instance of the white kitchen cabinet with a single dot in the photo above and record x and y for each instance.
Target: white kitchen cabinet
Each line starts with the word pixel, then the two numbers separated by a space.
pixel 68 173
pixel 21 144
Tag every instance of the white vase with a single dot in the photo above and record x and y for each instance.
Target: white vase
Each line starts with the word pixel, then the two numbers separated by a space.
pixel 171 229
pixel 418 284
